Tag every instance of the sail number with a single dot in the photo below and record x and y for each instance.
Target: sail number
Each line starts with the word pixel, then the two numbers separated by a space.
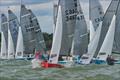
pixel 71 11
pixel 99 19
pixel 72 14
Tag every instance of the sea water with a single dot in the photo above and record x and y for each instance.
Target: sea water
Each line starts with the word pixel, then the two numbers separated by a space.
pixel 22 70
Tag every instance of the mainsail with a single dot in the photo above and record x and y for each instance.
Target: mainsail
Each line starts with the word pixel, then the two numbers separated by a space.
pixel 40 43
pixel 81 34
pixel 117 32
pixel 69 16
pixel 68 12
pixel 106 23
pixel 13 26
pixel 4 44
pixel 96 14
pixel 109 39
pixel 27 31
pixel 13 33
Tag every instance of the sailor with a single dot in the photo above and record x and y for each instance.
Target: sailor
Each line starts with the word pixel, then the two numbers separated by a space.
pixel 60 58
pixel 110 60
pixel 37 60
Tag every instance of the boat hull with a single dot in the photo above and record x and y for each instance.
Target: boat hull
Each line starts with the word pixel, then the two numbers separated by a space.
pixel 50 65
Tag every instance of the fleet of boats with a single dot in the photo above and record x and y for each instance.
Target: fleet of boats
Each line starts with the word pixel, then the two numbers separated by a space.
pixel 72 41
pixel 21 40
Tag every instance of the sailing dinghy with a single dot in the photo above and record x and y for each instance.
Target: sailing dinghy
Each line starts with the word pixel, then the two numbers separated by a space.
pixel 107 45
pixel 27 34
pixel 68 13
pixel 40 47
pixel 53 60
pixel 103 32
pixel 86 58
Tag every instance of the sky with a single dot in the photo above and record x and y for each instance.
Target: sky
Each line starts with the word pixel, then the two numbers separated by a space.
pixel 43 9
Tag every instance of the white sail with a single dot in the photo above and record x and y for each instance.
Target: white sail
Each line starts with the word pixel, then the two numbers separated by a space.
pixel 86 58
pixel 10 46
pixel 56 45
pixel 72 49
pixel 92 31
pixel 3 47
pixel 106 48
pixel 20 46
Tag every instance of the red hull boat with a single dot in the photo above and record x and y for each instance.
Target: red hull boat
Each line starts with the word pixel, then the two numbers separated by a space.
pixel 45 64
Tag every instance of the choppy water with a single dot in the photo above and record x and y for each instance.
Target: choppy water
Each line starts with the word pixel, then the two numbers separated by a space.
pixel 21 70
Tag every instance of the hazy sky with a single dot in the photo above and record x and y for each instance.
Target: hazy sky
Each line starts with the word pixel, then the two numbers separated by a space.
pixel 43 9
